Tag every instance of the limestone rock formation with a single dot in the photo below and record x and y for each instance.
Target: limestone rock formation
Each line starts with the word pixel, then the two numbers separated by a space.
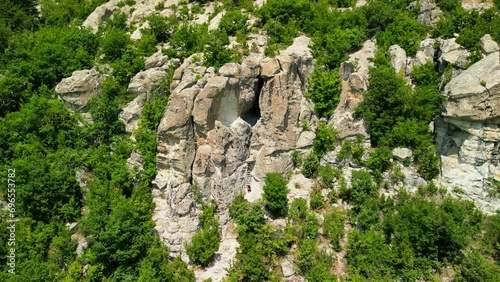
pixel 143 84
pixel 468 135
pixel 425 53
pixel 452 53
pixel 77 90
pixel 429 12
pixel 100 14
pixel 488 44
pixel 401 154
pixel 398 59
pixel 354 75
pixel 223 132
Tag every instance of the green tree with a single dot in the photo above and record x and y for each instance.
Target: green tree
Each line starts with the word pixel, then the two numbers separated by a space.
pixel 275 194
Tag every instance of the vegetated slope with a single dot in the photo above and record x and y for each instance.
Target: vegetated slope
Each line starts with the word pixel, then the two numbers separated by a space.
pixel 204 130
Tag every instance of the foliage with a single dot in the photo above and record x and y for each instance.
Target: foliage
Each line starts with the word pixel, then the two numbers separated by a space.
pixel 325 139
pixel 249 217
pixel 333 228
pixel 362 188
pixel 405 32
pixel 233 23
pixel 324 91
pixel 298 209
pixel 205 242
pixel 476 268
pixel 310 165
pixel 317 201
pixel 310 226
pixel 275 194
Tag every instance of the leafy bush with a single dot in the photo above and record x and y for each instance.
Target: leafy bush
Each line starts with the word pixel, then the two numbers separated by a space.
pixel 369 256
pixel 333 228
pixel 205 242
pixel 324 91
pixel 476 268
pixel 114 43
pixel 379 161
pixel 317 201
pixel 405 32
pixel 362 188
pixel 327 174
pixel 310 165
pixel 249 217
pixel 298 209
pixel 275 194
pixel 310 226
pixel 233 22
pixel 325 139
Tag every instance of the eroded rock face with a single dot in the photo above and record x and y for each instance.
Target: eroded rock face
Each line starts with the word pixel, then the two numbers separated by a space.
pixel 468 135
pixel 222 132
pixel 398 59
pixel 143 84
pixel 429 13
pixel 77 90
pixel 453 53
pixel 354 75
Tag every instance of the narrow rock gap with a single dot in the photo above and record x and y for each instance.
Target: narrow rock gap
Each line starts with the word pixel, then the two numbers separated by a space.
pixel 253 114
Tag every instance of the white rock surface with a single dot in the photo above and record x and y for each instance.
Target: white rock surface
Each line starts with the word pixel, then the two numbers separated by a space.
pixel 77 90
pixel 398 59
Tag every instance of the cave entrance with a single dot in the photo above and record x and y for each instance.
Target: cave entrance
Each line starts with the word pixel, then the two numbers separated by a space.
pixel 253 114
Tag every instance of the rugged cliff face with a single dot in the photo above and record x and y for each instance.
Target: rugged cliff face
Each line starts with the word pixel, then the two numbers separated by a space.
pixel 468 134
pixel 222 132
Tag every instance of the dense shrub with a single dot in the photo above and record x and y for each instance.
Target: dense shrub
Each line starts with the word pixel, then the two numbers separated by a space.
pixel 310 165
pixel 249 217
pixel 205 242
pixel 333 228
pixel 325 139
pixel 362 187
pixel 275 194
pixel 233 22
pixel 298 209
pixel 324 91
pixel 317 201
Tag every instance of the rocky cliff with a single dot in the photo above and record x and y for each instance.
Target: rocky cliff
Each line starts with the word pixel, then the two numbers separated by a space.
pixel 222 132
pixel 468 134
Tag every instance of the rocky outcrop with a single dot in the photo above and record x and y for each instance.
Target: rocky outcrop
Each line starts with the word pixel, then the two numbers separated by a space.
pixel 100 14
pixel 143 84
pixel 425 53
pixel 468 134
pixel 453 53
pixel 429 13
pixel 77 90
pixel 222 132
pixel 398 59
pixel 354 75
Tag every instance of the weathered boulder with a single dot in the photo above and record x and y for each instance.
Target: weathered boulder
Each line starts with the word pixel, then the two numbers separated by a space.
pixel 147 81
pixel 100 14
pixel 475 93
pixel 354 75
pixel 425 53
pixel 429 12
pixel 398 59
pixel 401 154
pixel 77 90
pixel 453 53
pixel 488 44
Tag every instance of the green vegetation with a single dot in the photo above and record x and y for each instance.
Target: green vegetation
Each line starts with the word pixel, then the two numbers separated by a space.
pixel 69 170
pixel 205 242
pixel 275 194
